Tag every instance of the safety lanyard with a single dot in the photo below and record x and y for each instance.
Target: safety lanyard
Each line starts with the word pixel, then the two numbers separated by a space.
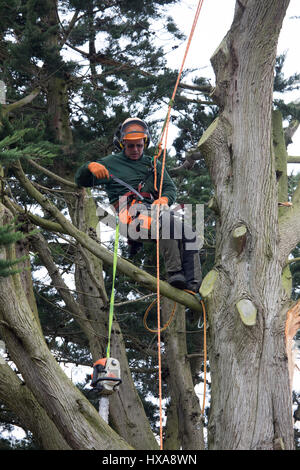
pixel 112 295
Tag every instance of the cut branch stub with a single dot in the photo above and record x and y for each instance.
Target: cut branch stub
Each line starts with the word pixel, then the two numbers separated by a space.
pixel 208 283
pixel 247 311
pixel 239 235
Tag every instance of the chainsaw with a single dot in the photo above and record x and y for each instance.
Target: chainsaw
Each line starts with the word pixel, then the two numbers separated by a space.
pixel 106 376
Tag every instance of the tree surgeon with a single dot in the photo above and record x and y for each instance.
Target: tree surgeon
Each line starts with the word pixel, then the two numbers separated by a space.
pixel 128 178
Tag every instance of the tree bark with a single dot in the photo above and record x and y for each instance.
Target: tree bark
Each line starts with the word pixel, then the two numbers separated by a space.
pixel 19 399
pixel 180 381
pixel 251 401
pixel 281 158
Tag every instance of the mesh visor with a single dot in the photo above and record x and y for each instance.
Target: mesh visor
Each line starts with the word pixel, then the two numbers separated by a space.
pixel 133 130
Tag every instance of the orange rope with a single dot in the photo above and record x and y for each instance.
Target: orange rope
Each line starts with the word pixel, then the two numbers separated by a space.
pixel 167 322
pixel 164 134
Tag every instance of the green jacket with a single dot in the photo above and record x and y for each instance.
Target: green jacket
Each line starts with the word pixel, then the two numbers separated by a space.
pixel 132 172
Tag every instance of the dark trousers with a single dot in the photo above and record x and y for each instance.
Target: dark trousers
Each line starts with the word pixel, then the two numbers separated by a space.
pixel 178 242
pixel 180 251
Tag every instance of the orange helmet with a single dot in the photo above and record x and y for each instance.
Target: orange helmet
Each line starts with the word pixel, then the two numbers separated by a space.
pixel 131 129
pixel 134 128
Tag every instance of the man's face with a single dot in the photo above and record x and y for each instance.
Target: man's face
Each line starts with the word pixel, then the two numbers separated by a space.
pixel 134 148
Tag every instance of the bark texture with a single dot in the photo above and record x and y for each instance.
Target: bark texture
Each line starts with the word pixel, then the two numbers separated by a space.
pixel 185 404
pixel 251 401
pixel 18 398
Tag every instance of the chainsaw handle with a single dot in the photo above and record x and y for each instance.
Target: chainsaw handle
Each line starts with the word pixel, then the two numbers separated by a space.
pixel 96 372
pixel 112 379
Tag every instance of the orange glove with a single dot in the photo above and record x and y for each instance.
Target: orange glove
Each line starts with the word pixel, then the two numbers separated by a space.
pixel 100 171
pixel 163 201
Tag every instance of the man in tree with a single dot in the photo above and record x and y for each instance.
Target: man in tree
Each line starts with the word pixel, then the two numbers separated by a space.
pixel 131 171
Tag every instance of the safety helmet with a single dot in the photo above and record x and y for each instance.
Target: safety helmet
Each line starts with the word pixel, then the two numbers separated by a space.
pixel 132 129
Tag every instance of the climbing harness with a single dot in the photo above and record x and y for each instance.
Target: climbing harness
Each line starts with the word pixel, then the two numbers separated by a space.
pixel 127 208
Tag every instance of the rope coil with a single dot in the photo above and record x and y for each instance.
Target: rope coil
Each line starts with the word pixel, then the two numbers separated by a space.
pixel 166 325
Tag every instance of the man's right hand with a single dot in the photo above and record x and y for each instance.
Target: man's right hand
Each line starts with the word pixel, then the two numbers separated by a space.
pixel 100 171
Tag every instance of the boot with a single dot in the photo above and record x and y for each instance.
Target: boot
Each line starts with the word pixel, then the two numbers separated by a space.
pixel 193 286
pixel 177 280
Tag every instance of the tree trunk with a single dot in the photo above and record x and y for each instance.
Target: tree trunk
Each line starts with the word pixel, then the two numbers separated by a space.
pixel 126 411
pixel 250 396
pixel 190 425
pixel 281 157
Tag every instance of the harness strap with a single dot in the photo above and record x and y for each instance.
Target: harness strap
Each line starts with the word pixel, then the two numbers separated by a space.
pixel 125 198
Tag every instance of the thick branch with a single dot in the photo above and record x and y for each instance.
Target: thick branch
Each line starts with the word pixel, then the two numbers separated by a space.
pixel 293 159
pixel 19 104
pixel 52 175
pixel 201 88
pixel 289 132
pixel 37 220
pixel 190 158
